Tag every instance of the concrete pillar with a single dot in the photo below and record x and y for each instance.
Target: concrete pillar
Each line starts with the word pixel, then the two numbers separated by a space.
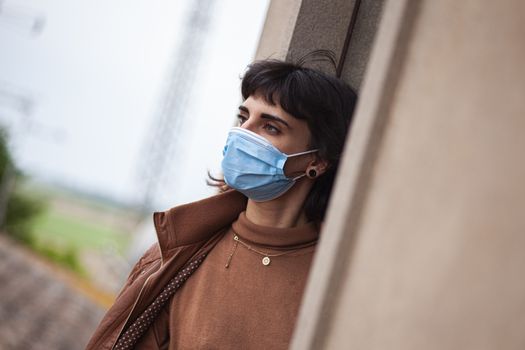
pixel 424 243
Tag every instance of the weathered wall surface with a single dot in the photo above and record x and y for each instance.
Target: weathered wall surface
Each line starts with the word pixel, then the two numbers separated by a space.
pixel 432 252
pixel 346 27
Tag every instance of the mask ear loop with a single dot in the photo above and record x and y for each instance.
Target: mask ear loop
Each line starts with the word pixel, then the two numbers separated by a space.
pixel 298 177
pixel 300 154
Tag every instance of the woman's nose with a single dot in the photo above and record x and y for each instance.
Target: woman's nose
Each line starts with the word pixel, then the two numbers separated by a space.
pixel 249 125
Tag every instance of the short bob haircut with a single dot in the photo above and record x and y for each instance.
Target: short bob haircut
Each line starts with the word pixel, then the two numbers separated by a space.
pixel 325 102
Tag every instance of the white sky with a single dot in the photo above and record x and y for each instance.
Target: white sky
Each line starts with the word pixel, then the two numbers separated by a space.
pixel 96 73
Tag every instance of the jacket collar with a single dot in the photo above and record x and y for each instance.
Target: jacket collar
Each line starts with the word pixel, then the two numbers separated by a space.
pixel 196 221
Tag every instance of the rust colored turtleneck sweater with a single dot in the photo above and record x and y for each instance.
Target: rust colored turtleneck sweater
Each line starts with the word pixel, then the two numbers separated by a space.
pixel 247 305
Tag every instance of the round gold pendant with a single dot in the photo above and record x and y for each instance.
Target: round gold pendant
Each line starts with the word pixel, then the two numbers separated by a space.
pixel 266 261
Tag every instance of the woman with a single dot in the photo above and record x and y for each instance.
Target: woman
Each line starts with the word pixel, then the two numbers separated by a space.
pixel 255 240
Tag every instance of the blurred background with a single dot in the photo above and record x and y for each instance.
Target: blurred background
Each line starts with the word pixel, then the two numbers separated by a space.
pixel 112 110
pixel 109 110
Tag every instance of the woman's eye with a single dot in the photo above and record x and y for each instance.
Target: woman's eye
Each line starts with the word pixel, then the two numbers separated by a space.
pixel 241 119
pixel 272 129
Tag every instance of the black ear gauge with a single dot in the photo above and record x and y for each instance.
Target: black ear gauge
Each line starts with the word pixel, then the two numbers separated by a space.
pixel 312 173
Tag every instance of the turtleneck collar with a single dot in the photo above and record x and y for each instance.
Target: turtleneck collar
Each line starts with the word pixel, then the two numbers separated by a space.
pixel 274 236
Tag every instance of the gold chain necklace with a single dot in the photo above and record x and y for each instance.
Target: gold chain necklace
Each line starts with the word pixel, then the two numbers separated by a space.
pixel 266 257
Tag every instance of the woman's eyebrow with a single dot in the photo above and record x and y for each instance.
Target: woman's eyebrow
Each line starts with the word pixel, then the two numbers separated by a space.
pixel 277 119
pixel 266 116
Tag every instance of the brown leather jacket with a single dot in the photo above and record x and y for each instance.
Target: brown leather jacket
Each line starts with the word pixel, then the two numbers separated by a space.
pixel 183 232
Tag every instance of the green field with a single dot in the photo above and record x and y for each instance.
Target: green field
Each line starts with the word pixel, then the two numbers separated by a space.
pixel 73 225
pixel 66 232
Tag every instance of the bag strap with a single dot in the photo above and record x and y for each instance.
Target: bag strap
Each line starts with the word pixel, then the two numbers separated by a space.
pixel 132 335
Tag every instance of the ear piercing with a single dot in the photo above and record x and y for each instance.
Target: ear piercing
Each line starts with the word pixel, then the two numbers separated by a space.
pixel 312 173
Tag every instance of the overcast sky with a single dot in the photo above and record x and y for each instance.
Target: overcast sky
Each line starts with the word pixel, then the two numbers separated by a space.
pixel 96 73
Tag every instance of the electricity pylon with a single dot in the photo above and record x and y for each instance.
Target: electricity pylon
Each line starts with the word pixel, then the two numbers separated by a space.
pixel 162 147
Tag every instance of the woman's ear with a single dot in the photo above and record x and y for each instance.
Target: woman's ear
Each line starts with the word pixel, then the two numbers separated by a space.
pixel 316 168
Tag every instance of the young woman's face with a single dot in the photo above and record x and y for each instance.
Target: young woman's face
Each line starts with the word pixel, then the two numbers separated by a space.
pixel 288 134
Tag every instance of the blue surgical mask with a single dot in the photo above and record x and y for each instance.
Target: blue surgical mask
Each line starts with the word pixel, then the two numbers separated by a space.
pixel 255 167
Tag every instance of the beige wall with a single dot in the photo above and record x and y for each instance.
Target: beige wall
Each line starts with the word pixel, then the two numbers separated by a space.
pixel 424 246
pixel 278 29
